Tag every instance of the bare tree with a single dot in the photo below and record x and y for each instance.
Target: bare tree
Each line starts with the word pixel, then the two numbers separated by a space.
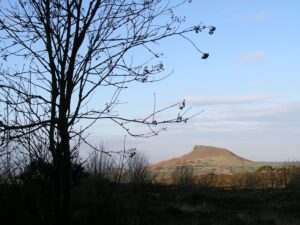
pixel 183 175
pixel 101 165
pixel 132 168
pixel 70 49
pixel 138 171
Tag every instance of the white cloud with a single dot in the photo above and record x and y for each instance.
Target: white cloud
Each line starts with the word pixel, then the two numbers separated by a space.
pixel 284 113
pixel 250 57
pixel 259 17
pixel 214 100
pixel 263 132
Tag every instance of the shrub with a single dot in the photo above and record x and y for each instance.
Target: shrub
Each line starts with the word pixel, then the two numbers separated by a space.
pixel 183 175
pixel 138 171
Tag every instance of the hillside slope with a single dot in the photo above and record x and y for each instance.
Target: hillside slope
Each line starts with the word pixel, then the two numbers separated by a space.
pixel 208 159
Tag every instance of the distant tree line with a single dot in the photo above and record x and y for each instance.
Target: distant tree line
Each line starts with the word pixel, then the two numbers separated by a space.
pixel 285 177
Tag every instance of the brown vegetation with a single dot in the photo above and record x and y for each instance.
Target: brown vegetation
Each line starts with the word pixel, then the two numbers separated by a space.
pixel 284 177
pixel 266 177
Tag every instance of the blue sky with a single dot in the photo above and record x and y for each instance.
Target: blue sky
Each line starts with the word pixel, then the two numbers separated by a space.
pixel 248 88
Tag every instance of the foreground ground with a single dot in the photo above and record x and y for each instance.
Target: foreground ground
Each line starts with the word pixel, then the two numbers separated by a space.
pixel 98 202
pixel 191 205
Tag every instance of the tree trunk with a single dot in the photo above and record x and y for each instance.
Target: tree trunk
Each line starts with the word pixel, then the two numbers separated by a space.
pixel 67 179
pixel 58 187
pixel 63 177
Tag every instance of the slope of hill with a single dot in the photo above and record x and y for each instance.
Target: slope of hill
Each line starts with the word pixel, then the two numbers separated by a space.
pixel 208 159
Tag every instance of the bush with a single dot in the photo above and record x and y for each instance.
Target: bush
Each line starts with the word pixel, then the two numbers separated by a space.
pixel 183 175
pixel 102 166
pixel 138 169
pixel 264 168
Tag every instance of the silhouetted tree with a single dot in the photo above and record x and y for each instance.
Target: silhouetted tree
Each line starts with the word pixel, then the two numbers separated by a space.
pixel 102 166
pixel 138 171
pixel 70 49
pixel 183 175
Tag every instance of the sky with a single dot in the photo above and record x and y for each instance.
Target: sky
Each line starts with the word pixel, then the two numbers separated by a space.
pixel 247 90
